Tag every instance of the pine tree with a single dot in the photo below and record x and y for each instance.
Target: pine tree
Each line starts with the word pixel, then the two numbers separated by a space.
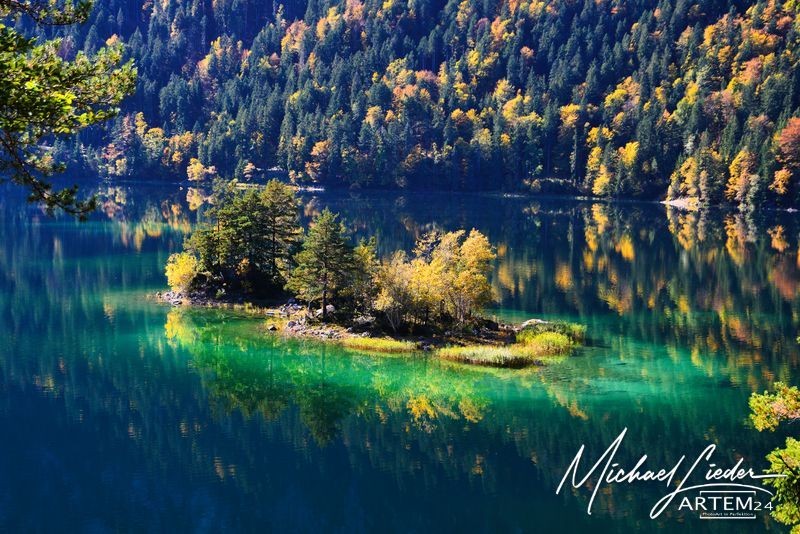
pixel 251 235
pixel 325 264
pixel 280 226
pixel 42 94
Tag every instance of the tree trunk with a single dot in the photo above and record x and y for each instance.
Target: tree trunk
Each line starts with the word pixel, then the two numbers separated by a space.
pixel 274 253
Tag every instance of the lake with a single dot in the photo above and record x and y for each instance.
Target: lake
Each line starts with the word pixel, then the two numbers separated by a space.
pixel 120 413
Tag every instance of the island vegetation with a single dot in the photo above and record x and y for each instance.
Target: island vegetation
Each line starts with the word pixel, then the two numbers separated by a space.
pixel 253 249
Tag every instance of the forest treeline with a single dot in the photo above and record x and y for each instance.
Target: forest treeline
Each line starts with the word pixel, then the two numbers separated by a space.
pixel 643 98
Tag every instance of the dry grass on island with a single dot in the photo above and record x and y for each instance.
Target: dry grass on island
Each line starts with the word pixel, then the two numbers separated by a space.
pixel 534 345
pixel 512 356
pixel 384 345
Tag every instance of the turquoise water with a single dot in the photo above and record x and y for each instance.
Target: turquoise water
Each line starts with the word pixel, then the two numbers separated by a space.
pixel 120 413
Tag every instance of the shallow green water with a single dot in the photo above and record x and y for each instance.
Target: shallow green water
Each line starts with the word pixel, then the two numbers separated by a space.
pixel 119 413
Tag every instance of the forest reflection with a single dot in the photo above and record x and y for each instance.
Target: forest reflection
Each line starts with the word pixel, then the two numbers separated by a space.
pixel 413 415
pixel 247 369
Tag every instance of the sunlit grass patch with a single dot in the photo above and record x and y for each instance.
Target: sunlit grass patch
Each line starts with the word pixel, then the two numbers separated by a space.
pixel 574 332
pixel 532 349
pixel 547 343
pixel 378 344
pixel 494 356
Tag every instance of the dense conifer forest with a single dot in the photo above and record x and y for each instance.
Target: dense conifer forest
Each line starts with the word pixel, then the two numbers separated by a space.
pixel 643 98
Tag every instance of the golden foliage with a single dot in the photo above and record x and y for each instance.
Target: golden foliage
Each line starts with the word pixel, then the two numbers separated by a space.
pixel 181 270
pixel 741 171
pixel 628 153
pixel 293 38
pixel 602 181
pixel 780 182
pixel 569 116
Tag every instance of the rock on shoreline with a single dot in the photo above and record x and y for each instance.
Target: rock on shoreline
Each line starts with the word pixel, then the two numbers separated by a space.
pixel 298 320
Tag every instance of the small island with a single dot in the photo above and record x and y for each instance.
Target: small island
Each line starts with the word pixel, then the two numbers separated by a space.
pixel 315 283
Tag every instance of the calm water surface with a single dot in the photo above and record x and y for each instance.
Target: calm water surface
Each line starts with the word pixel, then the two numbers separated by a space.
pixel 122 414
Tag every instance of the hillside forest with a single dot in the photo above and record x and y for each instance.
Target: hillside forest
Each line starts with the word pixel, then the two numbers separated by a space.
pixel 652 99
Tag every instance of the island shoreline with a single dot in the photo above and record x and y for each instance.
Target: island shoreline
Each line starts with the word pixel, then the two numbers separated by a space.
pixel 291 320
